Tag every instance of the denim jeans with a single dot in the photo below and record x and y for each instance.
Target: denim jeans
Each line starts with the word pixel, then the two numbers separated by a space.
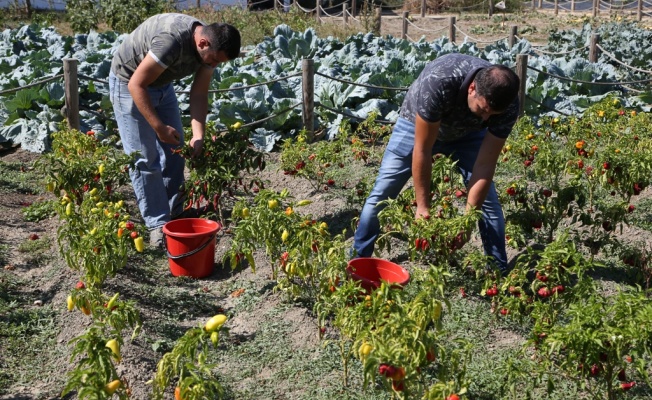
pixel 158 173
pixel 396 170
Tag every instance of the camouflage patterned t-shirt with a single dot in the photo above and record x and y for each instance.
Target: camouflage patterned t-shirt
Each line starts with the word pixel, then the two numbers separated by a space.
pixel 168 39
pixel 440 94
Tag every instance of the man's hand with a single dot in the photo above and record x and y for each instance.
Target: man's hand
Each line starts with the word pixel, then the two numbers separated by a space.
pixel 168 135
pixel 197 145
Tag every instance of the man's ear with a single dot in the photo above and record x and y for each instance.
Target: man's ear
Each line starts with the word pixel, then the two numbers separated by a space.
pixel 472 88
pixel 203 44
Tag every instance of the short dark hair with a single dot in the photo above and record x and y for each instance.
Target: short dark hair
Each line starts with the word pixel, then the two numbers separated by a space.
pixel 223 37
pixel 498 85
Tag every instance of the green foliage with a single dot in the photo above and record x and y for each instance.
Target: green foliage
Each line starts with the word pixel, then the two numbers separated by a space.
pixel 27 334
pixel 125 15
pixel 120 15
pixel 602 346
pixel 187 363
pixel 254 27
pixel 95 357
pixel 40 210
pixel 83 15
pixel 222 169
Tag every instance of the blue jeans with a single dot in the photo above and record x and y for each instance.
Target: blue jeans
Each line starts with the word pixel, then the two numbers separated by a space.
pixel 396 170
pixel 158 173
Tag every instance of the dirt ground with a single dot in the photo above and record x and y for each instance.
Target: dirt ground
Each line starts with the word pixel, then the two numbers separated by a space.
pixel 50 282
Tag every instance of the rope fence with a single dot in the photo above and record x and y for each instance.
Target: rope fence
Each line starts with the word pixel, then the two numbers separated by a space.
pixel 335 111
pixel 639 7
pixel 477 40
pixel 362 84
pixel 613 58
pixel 564 78
pixel 595 7
pixel 559 53
pixel 283 111
pixel 46 80
pixel 71 82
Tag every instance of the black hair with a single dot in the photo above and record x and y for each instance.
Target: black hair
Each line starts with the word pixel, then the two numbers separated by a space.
pixel 498 85
pixel 223 37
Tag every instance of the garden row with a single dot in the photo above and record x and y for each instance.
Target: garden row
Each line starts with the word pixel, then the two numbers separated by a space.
pixel 573 184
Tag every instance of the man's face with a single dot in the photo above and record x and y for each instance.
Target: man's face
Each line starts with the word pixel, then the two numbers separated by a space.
pixel 212 58
pixel 478 104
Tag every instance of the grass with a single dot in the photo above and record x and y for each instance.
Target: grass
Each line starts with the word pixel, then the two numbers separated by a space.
pixel 268 359
pixel 15 178
pixel 37 252
pixel 643 219
pixel 28 337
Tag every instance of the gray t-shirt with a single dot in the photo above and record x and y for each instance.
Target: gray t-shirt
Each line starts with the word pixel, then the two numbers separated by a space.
pixel 440 94
pixel 168 39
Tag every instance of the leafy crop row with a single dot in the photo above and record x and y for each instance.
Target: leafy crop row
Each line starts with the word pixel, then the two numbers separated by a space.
pixel 33 53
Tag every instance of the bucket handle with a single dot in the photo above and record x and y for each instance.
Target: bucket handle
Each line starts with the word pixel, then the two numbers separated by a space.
pixel 191 252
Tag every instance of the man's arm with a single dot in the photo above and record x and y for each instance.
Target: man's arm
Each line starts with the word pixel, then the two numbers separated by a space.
pixel 145 74
pixel 425 135
pixel 199 106
pixel 483 170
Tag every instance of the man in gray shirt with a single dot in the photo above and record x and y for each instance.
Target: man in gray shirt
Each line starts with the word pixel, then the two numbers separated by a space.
pixel 164 48
pixel 460 106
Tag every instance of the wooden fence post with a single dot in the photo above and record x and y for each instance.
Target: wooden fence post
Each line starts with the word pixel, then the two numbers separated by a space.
pixel 405 25
pixel 377 21
pixel 639 11
pixel 318 12
pixel 491 8
pixel 71 85
pixel 596 8
pixel 540 4
pixel 521 71
pixel 451 29
pixel 354 8
pixel 593 48
pixel 572 5
pixel 556 7
pixel 423 8
pixel 308 82
pixel 345 14
pixel 512 35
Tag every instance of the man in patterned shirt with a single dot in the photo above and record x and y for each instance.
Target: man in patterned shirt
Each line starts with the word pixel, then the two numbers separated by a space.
pixel 164 48
pixel 460 106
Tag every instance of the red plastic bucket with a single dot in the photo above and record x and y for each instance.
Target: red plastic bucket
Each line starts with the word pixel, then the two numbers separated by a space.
pixel 371 271
pixel 190 246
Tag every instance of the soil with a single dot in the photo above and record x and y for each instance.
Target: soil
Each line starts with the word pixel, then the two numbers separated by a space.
pixel 50 283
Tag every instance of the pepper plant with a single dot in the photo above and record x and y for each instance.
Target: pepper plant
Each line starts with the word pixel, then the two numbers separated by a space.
pixel 219 172
pixel 79 163
pixel 602 345
pixel 187 364
pixel 97 351
pixel 96 235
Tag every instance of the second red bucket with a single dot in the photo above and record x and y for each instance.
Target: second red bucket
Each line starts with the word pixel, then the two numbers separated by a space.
pixel 190 246
pixel 370 272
